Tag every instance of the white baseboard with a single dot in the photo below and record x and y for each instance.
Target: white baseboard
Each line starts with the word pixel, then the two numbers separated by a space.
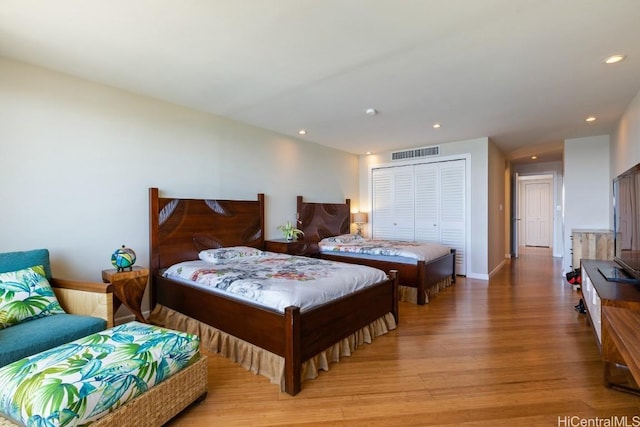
pixel 478 276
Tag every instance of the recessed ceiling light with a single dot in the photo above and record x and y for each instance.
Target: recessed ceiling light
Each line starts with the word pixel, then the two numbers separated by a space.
pixel 302 132
pixel 436 125
pixel 534 157
pixel 590 119
pixel 371 111
pixel 368 153
pixel 614 59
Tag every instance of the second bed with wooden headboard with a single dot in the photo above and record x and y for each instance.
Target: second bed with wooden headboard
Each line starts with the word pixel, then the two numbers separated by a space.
pixel 286 345
pixel 419 278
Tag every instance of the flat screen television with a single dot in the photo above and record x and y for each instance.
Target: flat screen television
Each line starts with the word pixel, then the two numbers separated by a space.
pixel 626 221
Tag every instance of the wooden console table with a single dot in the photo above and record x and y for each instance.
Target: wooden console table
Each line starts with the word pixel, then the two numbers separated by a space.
pixel 601 298
pixel 128 289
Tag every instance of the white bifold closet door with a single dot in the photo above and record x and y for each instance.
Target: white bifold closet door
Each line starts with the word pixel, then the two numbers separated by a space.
pixel 393 204
pixel 423 202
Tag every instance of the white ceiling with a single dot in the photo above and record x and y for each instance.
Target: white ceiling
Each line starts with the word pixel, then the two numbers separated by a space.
pixel 525 73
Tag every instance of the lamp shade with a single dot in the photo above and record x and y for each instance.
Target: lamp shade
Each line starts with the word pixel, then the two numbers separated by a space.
pixel 360 217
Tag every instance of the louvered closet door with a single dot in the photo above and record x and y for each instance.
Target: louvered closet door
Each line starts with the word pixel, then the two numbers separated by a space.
pixel 423 202
pixel 453 210
pixel 427 213
pixel 393 203
pixel 440 206
pixel 382 198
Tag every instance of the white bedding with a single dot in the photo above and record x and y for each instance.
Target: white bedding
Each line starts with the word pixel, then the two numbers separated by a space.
pixel 355 245
pixel 277 281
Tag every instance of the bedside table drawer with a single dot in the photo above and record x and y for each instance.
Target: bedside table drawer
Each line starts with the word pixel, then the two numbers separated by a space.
pixel 298 247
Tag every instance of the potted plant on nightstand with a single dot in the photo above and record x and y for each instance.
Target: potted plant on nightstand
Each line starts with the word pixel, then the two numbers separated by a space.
pixel 289 231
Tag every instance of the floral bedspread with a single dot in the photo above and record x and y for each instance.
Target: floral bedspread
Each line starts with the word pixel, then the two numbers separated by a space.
pixel 421 251
pixel 79 382
pixel 277 281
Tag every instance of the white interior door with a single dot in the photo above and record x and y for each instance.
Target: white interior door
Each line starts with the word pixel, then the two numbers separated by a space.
pixel 537 213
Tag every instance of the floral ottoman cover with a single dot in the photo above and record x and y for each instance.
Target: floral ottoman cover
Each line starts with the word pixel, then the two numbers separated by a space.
pixel 80 382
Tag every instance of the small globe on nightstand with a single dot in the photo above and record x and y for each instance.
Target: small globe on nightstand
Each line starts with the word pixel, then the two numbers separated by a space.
pixel 123 258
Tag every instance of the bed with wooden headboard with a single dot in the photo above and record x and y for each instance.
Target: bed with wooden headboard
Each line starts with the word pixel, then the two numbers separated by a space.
pixel 276 344
pixel 418 279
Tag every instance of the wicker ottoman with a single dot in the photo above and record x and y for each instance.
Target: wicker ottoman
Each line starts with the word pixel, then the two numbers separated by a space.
pixel 153 407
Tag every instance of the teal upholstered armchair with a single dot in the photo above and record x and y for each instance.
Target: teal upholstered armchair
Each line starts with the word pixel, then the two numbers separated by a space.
pixel 87 307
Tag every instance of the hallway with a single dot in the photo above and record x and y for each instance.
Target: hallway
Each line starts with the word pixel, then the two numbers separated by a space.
pixel 508 352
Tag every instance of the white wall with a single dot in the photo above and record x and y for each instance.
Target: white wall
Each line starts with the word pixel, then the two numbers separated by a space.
pixel 77 159
pixel 625 142
pixel 587 188
pixel 477 153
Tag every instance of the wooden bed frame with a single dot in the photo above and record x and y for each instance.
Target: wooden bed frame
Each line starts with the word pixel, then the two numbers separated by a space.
pixel 180 228
pixel 321 220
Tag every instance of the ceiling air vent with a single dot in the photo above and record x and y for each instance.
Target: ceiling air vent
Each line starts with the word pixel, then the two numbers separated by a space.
pixel 416 152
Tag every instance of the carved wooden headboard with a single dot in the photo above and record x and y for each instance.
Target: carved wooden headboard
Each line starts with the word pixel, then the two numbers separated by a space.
pixel 320 220
pixel 180 228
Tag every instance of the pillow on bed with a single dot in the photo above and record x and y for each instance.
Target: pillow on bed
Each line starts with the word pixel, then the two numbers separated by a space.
pixel 220 255
pixel 343 238
pixel 24 295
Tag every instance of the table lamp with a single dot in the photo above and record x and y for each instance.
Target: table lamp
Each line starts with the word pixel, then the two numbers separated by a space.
pixel 360 218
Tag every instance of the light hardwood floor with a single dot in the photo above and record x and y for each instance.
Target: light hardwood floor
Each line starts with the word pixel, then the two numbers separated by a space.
pixel 508 352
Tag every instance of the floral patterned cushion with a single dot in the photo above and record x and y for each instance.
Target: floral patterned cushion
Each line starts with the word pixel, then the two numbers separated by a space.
pixel 79 382
pixel 222 254
pixel 24 295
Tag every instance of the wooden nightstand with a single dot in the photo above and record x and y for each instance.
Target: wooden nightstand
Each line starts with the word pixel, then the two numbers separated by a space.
pixel 128 289
pixel 291 247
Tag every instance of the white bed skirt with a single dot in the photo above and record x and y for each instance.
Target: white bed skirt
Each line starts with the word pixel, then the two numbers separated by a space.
pixel 260 361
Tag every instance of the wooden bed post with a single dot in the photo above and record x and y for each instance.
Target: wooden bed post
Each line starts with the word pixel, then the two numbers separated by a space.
pixel 154 257
pixel 393 275
pixel 298 209
pixel 421 285
pixel 261 202
pixel 453 276
pixel 293 349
